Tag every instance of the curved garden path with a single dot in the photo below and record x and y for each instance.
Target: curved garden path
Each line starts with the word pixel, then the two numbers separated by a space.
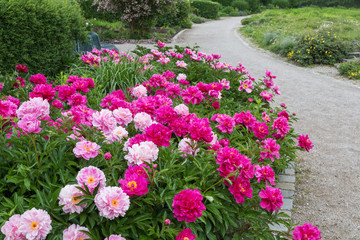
pixel 328 192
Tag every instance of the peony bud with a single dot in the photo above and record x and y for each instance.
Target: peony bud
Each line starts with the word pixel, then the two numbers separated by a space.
pixel 107 156
pixel 167 222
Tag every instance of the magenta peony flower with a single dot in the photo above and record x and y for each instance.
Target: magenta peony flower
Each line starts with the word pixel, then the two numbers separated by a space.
pixel 29 124
pixel 19 81
pixel 200 130
pixel 81 85
pixel 86 149
pixel 261 130
pixel 143 152
pixel 266 96
pixel 10 228
pixel 7 108
pixel 306 232
pixel 35 224
pixel 134 185
pixel 91 177
pixel 266 117
pixel 36 107
pixel 271 199
pixel 104 120
pixel 65 92
pixel 112 202
pixel 38 79
pixel 266 173
pixel 187 146
pixel 305 142
pixel 165 114
pixel 269 74
pixel 247 86
pixel 187 205
pixel 67 197
pixel 44 91
pixel 123 116
pixel 107 156
pixel 115 237
pixel 247 119
pixel 158 134
pixel 137 170
pixel 21 68
pixel 74 233
pixel 272 149
pixel 282 126
pixel 161 44
pixel 57 104
pixel 241 188
pixel 192 95
pixel 167 222
pixel 226 123
pixel 186 234
pixel 77 99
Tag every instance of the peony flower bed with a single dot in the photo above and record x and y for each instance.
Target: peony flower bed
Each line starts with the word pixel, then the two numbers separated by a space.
pixel 166 144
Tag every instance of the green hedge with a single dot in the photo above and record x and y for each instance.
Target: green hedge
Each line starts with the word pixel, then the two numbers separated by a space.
pixel 39 34
pixel 177 16
pixel 206 9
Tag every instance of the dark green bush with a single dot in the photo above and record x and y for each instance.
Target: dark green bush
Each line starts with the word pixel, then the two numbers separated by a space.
pixel 254 5
pixel 178 15
pixel 224 2
pixel 229 11
pixel 320 48
pixel 242 5
pixel 197 19
pixel 90 11
pixel 281 3
pixel 206 9
pixel 39 34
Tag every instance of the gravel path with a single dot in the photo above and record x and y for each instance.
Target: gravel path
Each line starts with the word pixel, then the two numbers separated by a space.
pixel 327 192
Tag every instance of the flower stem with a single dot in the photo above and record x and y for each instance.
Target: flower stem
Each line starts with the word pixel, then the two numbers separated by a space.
pixel 36 154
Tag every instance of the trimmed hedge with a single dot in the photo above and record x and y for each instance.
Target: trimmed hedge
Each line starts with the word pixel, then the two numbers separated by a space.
pixel 39 34
pixel 206 9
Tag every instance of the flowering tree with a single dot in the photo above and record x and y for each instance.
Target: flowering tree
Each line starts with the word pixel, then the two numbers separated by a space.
pixel 139 14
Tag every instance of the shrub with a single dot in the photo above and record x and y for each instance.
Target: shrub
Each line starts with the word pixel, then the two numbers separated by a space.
pixel 229 11
pixel 39 33
pixel 178 15
pixel 269 38
pixel 254 5
pixel 197 19
pixel 90 11
pixel 281 3
pixel 86 161
pixel 224 3
pixel 206 9
pixel 319 48
pixel 350 69
pixel 242 5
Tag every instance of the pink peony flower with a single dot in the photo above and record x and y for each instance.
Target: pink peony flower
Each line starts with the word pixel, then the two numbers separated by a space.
pixel 134 185
pixel 247 86
pixel 284 114
pixel 200 130
pixel 104 120
pixel 268 82
pixel 181 76
pixel 112 202
pixel 45 91
pixel 7 108
pixel 38 79
pixel 182 109
pixel 187 205
pixel 91 177
pixel 77 99
pixel 271 199
pixel 115 237
pixel 266 96
pixel 241 188
pixel 81 85
pixel 226 123
pixel 57 104
pixel 181 64
pixel 159 134
pixel 123 116
pixel 67 197
pixel 272 149
pixel 266 117
pixel 74 233
pixel 269 74
pixel 186 234
pixel 35 224
pixel 86 149
pixel 139 91
pixel 29 124
pixel 21 68
pixel 265 173
pixel 137 170
pixel 305 142
pixel 138 154
pixel 65 92
pixel 192 95
pixel 161 44
pixel 247 119
pixel 10 228
pixel 306 232
pixel 36 107
pixel 142 120
pixel 276 90
pixel 282 126
pixel 187 146
pixel 167 222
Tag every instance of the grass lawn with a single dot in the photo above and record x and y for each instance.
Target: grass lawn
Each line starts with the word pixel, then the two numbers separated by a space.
pixel 279 26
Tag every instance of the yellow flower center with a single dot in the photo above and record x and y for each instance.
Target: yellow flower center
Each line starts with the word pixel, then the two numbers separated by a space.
pixel 186 238
pixel 246 86
pixel 132 185
pixel 88 149
pixel 34 225
pixel 91 180
pixel 75 200
pixel 114 203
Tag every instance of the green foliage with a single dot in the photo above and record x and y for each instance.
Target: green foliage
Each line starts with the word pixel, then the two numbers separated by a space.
pixel 178 15
pixel 90 11
pixel 319 48
pixel 197 19
pixel 281 3
pixel 350 69
pixel 39 33
pixel 329 3
pixel 206 9
pixel 241 5
pixel 228 11
pixel 254 5
pixel 224 3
